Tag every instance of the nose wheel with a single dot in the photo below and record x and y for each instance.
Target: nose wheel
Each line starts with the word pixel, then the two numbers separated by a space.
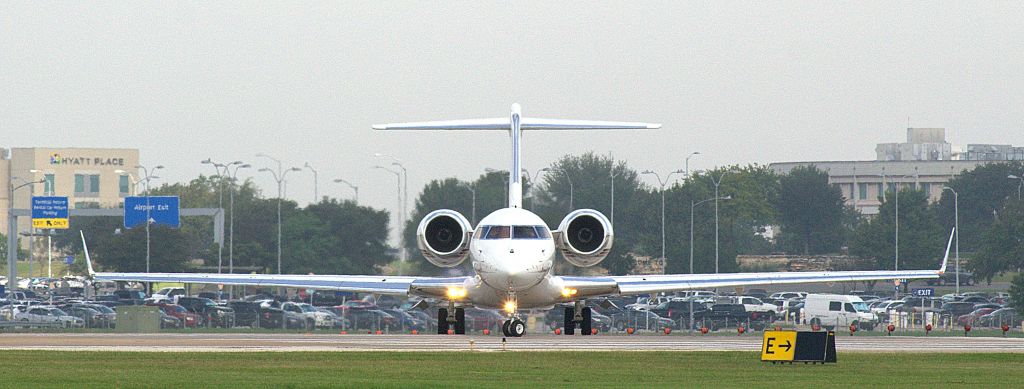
pixel 513 328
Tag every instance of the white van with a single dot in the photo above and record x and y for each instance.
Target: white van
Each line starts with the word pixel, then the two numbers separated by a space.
pixel 836 310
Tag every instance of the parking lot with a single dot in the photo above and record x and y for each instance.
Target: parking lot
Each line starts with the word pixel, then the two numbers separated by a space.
pixel 693 312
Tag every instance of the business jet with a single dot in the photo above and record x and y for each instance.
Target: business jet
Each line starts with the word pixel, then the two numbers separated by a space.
pixel 512 252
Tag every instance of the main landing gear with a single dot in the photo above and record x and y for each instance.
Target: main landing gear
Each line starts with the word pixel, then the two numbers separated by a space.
pixel 578 316
pixel 451 318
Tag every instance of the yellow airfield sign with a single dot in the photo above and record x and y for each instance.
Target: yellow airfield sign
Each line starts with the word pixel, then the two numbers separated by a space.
pixel 778 346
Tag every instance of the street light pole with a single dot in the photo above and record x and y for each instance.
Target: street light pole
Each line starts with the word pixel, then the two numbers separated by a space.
pixel 401 221
pixel 316 184
pixel 692 206
pixel 220 203
pixel 533 180
pixel 280 181
pixel 231 219
pixel 12 236
pixel 687 173
pixel 354 188
pixel 718 182
pixel 956 228
pixel 662 190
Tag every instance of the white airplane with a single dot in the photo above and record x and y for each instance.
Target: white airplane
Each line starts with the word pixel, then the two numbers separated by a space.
pixel 512 252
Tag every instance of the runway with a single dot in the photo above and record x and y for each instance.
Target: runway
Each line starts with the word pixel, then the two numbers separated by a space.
pixel 531 342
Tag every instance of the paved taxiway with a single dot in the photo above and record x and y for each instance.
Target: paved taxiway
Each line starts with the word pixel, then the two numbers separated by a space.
pixel 532 342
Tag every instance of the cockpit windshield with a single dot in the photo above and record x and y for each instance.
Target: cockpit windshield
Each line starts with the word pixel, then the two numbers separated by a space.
pixel 514 232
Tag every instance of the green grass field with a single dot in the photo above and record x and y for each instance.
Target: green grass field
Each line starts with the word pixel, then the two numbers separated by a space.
pixel 36 369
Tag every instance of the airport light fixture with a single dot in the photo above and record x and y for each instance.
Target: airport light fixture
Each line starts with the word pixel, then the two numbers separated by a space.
pixel 220 203
pixel 662 190
pixel 472 190
pixel 533 178
pixel 956 229
pixel 717 197
pixel 354 188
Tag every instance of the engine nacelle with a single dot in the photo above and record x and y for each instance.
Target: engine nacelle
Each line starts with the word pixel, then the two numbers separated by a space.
pixel 443 237
pixel 584 237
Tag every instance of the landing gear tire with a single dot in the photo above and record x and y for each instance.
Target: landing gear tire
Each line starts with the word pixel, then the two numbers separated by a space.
pixel 460 321
pixel 442 321
pixel 516 328
pixel 568 324
pixel 587 324
pixel 504 328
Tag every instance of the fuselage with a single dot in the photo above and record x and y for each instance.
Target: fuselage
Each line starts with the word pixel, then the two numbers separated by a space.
pixel 512 252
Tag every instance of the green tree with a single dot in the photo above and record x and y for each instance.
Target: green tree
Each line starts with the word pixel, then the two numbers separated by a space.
pixel 1017 292
pixel 1002 244
pixel 982 192
pixel 922 240
pixel 810 212
pixel 587 179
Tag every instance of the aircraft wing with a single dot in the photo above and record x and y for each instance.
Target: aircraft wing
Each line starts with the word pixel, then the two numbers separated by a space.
pixel 658 283
pixel 400 285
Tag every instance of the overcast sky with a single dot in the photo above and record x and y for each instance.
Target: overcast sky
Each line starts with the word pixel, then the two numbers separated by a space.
pixel 303 81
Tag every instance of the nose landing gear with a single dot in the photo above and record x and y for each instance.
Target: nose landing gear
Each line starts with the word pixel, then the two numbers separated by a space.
pixel 513 328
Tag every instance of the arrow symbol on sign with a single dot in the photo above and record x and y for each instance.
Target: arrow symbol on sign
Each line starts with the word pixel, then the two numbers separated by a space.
pixel 788 345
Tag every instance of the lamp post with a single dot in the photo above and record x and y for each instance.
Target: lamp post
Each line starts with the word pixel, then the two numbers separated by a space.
pixel 611 180
pixel 231 219
pixel 12 236
pixel 404 189
pixel 718 182
pixel 692 206
pixel 662 190
pixel 956 228
pixel 354 188
pixel 221 171
pixel 687 173
pixel 1015 177
pixel 316 184
pixel 401 222
pixel 279 178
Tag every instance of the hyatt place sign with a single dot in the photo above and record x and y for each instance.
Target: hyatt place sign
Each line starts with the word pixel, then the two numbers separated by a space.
pixel 57 159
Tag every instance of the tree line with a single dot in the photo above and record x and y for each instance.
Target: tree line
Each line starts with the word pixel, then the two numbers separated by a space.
pixel 759 212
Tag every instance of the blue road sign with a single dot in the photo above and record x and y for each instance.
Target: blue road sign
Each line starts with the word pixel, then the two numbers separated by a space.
pixel 49 212
pixel 70 259
pixel 923 292
pixel 162 210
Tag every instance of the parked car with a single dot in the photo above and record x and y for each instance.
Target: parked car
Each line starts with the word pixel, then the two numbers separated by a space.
pixel 313 318
pixel 168 293
pixel 185 318
pixel 211 313
pixel 40 314
pixel 754 306
pixel 956 308
pixel 678 309
pixel 972 318
pixel 93 316
pixel 407 321
pixel 999 317
pixel 949 278
pixel 130 296
pixel 365 318
pixel 834 310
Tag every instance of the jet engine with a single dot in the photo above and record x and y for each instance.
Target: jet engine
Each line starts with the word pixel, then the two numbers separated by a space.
pixel 584 237
pixel 443 237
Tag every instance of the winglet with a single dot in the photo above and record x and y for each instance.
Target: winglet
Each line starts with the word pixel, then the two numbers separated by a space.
pixel 88 260
pixel 945 259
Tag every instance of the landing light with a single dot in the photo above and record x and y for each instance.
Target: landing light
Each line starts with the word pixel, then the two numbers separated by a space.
pixel 510 306
pixel 569 292
pixel 456 293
